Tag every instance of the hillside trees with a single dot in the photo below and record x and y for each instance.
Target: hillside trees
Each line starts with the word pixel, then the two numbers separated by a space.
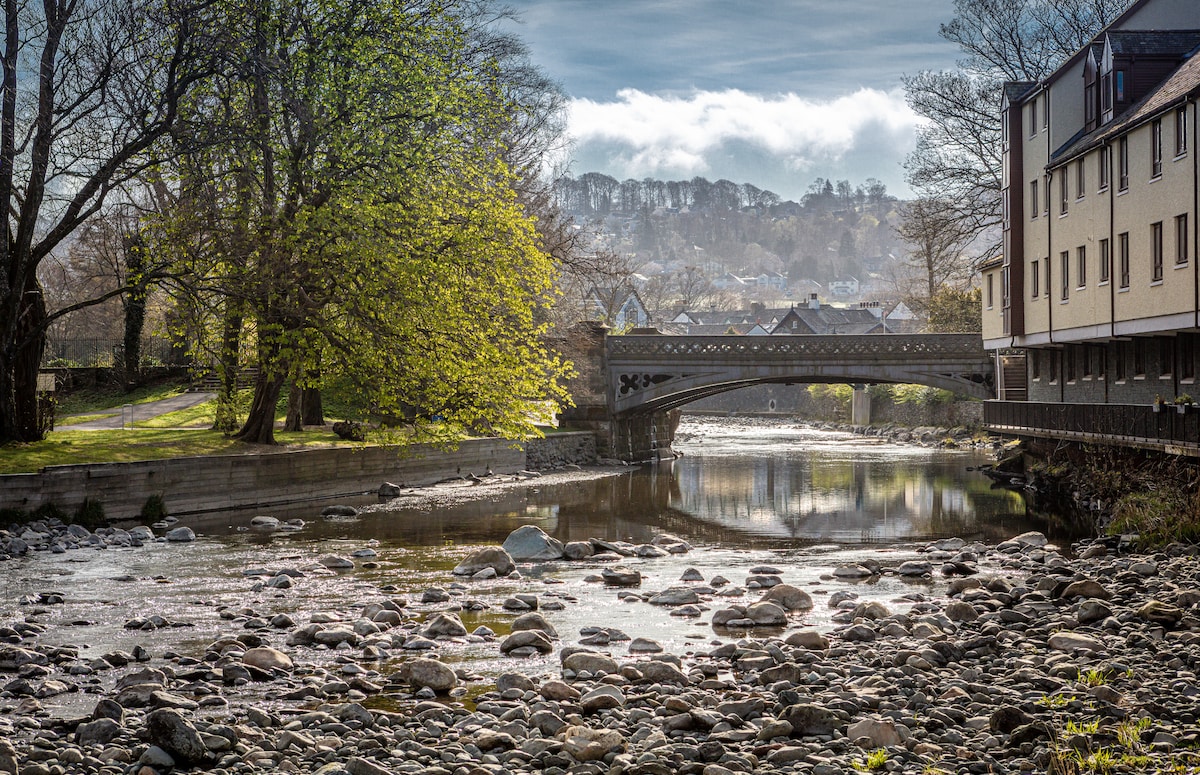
pixel 357 197
pixel 957 156
pixel 90 90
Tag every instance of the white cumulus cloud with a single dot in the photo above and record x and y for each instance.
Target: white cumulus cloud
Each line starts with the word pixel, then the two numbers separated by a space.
pixel 861 134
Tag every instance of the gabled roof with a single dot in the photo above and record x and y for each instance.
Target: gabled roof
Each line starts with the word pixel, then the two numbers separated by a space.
pixel 1165 43
pixel 1178 85
pixel 830 320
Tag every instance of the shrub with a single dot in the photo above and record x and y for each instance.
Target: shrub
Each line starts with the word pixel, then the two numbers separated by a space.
pixel 90 514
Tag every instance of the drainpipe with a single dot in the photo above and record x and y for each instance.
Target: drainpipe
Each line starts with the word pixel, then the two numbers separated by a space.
pixel 1195 215
pixel 1112 281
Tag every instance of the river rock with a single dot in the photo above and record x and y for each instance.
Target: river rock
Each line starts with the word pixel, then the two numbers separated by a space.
pixel 852 572
pixel 526 641
pixel 879 733
pixel 590 661
pixel 871 609
pixel 444 625
pixel 493 557
pixel 334 562
pixel 1072 642
pixel 675 596
pixel 1085 588
pixel 788 597
pixel 534 621
pixel 1162 613
pixel 810 719
pixel 659 672
pixel 429 673
pixel 99 732
pixel 578 550
pixel 1032 539
pixel 174 734
pixel 263 522
pixel 181 535
pixel 960 611
pixel 585 744
pixel 602 698
pixel 621 576
pixel 808 639
pixel 267 658
pixel 1091 611
pixel 766 614
pixel 529 543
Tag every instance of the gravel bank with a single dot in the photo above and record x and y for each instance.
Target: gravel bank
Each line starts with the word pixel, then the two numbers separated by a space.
pixel 1032 656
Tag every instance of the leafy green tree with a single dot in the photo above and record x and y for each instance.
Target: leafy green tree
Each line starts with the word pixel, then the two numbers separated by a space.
pixel 358 204
pixel 954 311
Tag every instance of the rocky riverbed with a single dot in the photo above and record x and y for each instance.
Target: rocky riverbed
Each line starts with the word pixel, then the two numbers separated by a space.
pixel 1027 659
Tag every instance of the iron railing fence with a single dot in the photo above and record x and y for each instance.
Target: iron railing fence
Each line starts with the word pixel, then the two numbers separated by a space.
pixel 1170 427
pixel 101 353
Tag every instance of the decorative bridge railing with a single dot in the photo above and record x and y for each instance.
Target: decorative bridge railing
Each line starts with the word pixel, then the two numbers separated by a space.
pixel 651 373
pixel 834 346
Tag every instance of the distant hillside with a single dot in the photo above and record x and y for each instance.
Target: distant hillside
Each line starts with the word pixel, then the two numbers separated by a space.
pixel 837 229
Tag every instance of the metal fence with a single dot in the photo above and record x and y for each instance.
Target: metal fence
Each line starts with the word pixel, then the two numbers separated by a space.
pixel 1166 427
pixel 100 353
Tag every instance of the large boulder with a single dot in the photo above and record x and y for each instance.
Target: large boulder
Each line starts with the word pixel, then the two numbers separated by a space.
pixel 174 734
pixel 493 557
pixel 428 673
pixel 807 719
pixel 788 597
pixel 267 658
pixel 529 543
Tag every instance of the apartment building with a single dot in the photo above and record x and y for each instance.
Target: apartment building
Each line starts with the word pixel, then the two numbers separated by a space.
pixel 1099 280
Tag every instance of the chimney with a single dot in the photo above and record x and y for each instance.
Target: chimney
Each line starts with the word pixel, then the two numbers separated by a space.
pixel 813 301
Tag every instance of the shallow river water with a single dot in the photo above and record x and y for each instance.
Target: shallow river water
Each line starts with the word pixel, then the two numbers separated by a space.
pixel 744 494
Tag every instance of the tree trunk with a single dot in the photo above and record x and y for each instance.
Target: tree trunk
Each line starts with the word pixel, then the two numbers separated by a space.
pixel 135 310
pixel 295 409
pixel 310 406
pixel 259 427
pixel 228 369
pixel 19 364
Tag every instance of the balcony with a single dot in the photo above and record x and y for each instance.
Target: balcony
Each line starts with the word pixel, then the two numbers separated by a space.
pixel 1171 429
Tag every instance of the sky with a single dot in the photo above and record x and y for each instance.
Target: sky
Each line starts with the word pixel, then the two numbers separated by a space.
pixel 771 92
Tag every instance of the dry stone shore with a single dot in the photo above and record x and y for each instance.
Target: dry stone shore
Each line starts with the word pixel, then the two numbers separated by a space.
pixel 1032 657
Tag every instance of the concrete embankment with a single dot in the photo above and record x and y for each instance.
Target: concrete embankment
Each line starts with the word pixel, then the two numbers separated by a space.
pixel 224 482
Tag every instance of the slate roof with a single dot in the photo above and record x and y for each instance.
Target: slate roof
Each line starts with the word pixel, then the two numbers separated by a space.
pixel 1178 85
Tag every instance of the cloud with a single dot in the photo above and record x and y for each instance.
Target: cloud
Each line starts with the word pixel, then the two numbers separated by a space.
pixel 861 134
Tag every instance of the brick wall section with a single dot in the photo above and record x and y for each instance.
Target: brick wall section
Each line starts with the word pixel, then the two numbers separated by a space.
pixel 192 485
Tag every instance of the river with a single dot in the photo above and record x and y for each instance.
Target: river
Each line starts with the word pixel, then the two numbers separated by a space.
pixel 744 494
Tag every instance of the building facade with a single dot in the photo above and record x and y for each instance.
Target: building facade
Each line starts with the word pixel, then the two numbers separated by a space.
pixel 1099 282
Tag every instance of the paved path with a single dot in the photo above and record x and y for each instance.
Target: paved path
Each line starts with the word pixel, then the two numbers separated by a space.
pixel 139 412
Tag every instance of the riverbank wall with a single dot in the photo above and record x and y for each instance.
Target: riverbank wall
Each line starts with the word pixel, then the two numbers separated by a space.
pixel 229 482
pixel 797 401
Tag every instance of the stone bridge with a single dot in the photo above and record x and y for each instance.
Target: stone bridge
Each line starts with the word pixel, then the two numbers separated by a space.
pixel 643 378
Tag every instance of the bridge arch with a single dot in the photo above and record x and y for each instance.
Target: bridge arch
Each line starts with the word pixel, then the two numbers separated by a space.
pixel 648 374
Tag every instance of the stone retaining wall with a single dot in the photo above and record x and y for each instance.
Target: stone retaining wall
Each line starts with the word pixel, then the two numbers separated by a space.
pixel 225 482
pixel 561 449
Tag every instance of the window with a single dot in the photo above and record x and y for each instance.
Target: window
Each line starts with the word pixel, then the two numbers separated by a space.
pixel 1052 366
pixel 1046 204
pixel 1086 361
pixel 1120 86
pixel 1156 252
pixel 1069 357
pixel 1033 122
pixel 1080 180
pixel 1035 364
pixel 1123 258
pixel 1119 361
pixel 1033 199
pixel 1063 191
pixel 1081 265
pixel 1139 358
pixel 1181 240
pixel 1101 362
pixel 1181 131
pixel 1065 268
pixel 1156 149
pixel 1166 356
pixel 1034 288
pixel 991 298
pixel 1102 168
pixel 1186 353
pixel 1123 164
pixel 1105 261
pixel 1106 94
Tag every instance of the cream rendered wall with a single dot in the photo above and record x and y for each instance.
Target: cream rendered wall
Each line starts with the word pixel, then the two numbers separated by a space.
pixel 1036 155
pixel 1165 14
pixel 993 317
pixel 1148 306
pixel 1084 225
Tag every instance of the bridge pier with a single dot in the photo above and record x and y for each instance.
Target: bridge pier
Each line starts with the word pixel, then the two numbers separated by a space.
pixel 860 406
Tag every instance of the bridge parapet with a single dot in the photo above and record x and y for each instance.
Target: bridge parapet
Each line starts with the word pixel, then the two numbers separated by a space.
pixel 653 373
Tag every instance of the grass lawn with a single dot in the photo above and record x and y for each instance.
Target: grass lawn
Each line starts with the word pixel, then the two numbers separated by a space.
pixel 103 398
pixel 118 446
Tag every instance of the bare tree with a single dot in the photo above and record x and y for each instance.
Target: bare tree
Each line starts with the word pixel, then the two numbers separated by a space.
pixel 90 89
pixel 957 156
pixel 938 239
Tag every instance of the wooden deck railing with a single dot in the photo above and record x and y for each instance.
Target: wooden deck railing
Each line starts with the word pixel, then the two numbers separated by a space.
pixel 1135 425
